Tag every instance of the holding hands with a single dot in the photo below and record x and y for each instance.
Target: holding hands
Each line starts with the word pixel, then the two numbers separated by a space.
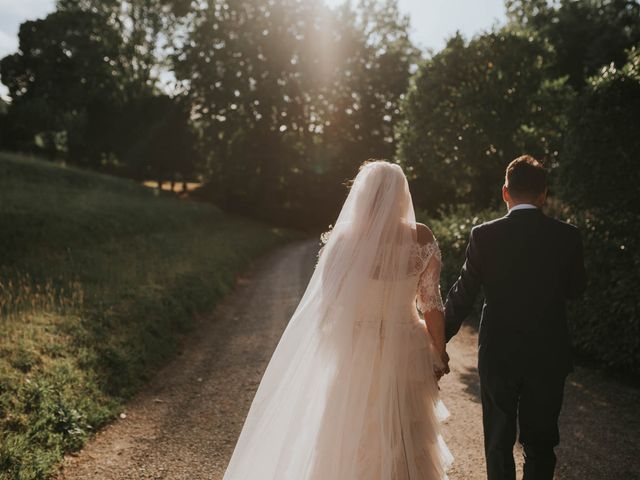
pixel 441 368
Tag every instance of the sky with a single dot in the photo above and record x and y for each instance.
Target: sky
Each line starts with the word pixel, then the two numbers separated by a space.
pixel 432 21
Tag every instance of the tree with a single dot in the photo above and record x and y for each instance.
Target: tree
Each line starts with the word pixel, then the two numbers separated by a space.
pixel 599 162
pixel 373 78
pixel 67 64
pixel 80 79
pixel 585 34
pixel 158 140
pixel 147 30
pixel 290 96
pixel 4 125
pixel 471 109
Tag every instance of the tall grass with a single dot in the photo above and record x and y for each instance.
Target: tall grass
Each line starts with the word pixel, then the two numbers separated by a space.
pixel 99 280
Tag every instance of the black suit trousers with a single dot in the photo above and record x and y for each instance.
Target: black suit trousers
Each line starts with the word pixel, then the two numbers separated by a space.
pixel 530 400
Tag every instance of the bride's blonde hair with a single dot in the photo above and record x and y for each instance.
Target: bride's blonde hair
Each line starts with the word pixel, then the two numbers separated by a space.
pixel 367 164
pixel 368 161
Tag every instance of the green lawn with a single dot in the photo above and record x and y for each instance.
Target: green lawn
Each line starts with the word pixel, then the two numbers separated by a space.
pixel 99 279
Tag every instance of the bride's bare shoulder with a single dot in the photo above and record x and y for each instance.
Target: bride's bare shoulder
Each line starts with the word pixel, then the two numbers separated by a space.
pixel 425 235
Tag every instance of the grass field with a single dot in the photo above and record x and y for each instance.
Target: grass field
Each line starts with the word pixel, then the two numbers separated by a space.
pixel 99 279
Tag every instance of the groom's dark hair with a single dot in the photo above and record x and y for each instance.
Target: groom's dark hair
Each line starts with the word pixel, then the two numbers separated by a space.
pixel 526 177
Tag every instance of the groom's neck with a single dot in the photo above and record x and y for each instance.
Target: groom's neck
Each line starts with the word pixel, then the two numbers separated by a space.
pixel 537 204
pixel 535 201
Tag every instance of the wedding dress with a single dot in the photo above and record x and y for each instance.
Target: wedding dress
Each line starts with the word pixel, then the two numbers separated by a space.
pixel 350 393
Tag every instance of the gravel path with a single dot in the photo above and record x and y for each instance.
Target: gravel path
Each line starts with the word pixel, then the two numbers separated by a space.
pixel 184 425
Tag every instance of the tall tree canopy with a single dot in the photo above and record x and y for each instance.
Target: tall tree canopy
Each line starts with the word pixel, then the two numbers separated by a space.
pixel 289 96
pixel 68 66
pixel 471 109
pixel 599 165
pixel 585 34
pixel 85 80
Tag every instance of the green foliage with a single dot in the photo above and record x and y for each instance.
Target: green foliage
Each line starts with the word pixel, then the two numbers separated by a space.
pixel 66 70
pixel 452 229
pixel 291 96
pixel 146 29
pixel 82 89
pixel 474 107
pixel 287 98
pixel 157 140
pixel 597 168
pixel 599 163
pixel 100 279
pixel 585 34
pixel 604 322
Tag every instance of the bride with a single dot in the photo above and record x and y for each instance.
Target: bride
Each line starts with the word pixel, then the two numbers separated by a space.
pixel 351 390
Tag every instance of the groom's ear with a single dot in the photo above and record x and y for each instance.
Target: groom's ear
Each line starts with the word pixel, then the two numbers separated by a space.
pixel 505 194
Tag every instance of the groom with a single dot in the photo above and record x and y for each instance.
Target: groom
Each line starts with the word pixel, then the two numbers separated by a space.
pixel 527 265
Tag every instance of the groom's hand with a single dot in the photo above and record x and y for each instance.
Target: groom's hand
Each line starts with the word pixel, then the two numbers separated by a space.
pixel 445 360
pixel 439 373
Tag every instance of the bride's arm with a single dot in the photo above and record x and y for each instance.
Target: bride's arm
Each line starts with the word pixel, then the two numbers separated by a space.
pixel 429 300
pixel 435 325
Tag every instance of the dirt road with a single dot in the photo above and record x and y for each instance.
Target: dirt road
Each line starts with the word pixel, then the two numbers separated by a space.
pixel 184 425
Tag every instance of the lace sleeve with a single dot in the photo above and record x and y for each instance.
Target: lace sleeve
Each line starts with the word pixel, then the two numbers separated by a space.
pixel 428 296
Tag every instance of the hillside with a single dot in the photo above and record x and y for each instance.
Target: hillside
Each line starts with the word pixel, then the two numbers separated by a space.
pixel 99 279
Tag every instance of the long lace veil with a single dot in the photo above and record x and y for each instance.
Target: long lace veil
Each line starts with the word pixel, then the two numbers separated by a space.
pixel 342 360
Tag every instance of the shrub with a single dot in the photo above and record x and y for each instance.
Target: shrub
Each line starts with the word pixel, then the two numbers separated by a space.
pixel 452 231
pixel 605 321
pixel 599 162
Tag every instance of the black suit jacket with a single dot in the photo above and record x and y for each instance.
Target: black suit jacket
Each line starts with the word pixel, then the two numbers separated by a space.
pixel 528 265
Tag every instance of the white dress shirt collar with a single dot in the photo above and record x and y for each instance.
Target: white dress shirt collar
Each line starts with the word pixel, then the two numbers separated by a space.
pixel 522 206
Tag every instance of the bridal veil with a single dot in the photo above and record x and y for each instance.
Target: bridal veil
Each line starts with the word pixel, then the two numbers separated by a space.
pixel 338 399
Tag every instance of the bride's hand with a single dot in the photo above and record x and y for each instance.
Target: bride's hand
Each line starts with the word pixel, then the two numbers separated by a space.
pixel 445 359
pixel 442 368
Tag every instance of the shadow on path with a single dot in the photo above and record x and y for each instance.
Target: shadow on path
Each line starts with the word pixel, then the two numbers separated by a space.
pixel 599 423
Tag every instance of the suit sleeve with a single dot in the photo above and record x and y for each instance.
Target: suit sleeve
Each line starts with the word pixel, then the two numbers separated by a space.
pixel 462 295
pixel 577 273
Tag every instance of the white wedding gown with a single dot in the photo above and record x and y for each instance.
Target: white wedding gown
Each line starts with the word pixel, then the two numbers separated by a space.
pixel 350 393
